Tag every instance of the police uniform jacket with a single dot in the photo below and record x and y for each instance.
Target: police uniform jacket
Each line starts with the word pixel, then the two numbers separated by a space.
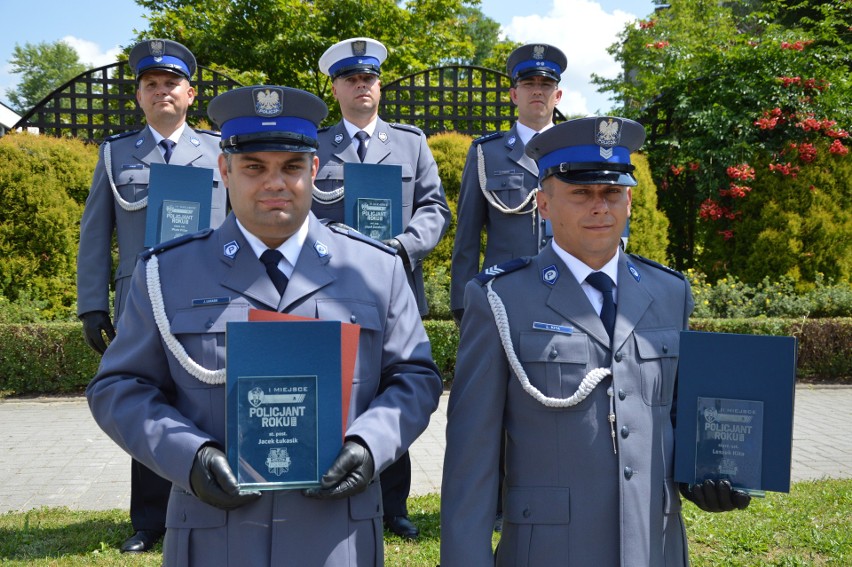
pixel 425 214
pixel 511 176
pixel 568 499
pixel 160 414
pixel 132 155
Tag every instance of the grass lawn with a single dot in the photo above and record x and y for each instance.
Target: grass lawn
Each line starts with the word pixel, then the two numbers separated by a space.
pixel 810 526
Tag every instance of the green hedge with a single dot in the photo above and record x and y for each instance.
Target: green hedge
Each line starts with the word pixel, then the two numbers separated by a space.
pixel 52 358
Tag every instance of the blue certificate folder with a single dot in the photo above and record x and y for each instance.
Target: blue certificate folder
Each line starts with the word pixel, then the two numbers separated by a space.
pixel 735 398
pixel 182 188
pixel 284 407
pixel 375 182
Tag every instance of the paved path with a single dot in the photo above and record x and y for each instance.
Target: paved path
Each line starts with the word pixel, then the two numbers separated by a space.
pixel 53 454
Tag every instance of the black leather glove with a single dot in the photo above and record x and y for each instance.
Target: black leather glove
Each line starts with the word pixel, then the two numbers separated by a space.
pixel 715 496
pixel 95 325
pixel 400 251
pixel 457 316
pixel 214 483
pixel 349 474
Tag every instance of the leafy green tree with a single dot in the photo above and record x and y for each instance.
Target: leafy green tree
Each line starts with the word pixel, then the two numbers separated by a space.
pixel 43 67
pixel 648 224
pixel 281 41
pixel 729 89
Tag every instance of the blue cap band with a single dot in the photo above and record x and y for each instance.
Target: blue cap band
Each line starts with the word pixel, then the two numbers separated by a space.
pixel 350 61
pixel 161 62
pixel 259 124
pixel 578 154
pixel 536 63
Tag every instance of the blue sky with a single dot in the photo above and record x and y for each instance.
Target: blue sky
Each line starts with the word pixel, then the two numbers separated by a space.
pixel 583 29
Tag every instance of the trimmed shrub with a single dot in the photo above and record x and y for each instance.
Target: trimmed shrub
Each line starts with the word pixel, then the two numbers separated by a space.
pixel 450 150
pixel 43 185
pixel 648 225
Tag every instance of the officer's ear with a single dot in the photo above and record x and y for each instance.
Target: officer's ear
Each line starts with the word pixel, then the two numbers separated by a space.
pixel 224 167
pixel 542 199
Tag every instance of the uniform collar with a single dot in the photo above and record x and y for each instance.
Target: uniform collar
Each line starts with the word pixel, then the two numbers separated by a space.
pixel 351 129
pixel 175 137
pixel 525 133
pixel 291 248
pixel 580 270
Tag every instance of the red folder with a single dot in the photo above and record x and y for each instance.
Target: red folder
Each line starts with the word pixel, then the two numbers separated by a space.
pixel 349 333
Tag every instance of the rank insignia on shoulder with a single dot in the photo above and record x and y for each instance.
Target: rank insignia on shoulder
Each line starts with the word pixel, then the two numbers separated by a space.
pixel 350 232
pixel 175 242
pixel 489 274
pixel 657 265
pixel 487 137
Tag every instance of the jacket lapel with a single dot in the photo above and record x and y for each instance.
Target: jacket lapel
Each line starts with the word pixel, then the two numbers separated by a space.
pixel 147 152
pixel 311 271
pixel 245 274
pixel 379 149
pixel 568 299
pixel 346 150
pixel 186 152
pixel 516 152
pixel 633 301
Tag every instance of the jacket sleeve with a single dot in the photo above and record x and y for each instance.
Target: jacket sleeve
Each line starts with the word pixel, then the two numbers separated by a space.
pixel 430 216
pixel 94 255
pixel 470 220
pixel 474 430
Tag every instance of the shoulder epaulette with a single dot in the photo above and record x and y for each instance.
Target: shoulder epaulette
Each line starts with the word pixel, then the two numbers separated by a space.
pixel 488 137
pixel 406 127
pixel 121 135
pixel 323 129
pixel 350 232
pixel 211 132
pixel 513 265
pixel 658 266
pixel 175 242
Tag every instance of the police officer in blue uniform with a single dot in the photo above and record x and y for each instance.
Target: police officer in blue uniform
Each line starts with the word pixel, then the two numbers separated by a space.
pixel 571 355
pixel 117 205
pixel 499 180
pixel 354 66
pixel 160 393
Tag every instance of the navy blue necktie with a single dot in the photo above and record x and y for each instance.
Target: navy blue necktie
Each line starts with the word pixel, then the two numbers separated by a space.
pixel 602 282
pixel 362 144
pixel 168 146
pixel 270 259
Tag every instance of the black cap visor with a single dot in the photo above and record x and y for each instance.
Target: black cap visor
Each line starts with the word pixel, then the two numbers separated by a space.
pixel 268 142
pixel 594 173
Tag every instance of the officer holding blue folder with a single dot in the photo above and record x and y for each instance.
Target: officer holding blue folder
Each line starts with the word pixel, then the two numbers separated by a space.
pixel 117 207
pixel 160 393
pixel 572 355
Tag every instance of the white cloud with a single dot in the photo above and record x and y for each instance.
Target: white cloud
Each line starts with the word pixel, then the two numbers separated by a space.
pixel 90 53
pixel 583 31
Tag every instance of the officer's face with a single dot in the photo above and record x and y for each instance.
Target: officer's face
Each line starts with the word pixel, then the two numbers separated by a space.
pixel 535 97
pixel 587 219
pixel 270 192
pixel 164 97
pixel 357 94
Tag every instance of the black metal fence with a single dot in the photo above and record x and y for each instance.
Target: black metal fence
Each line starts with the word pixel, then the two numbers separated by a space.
pixel 102 102
pixel 467 99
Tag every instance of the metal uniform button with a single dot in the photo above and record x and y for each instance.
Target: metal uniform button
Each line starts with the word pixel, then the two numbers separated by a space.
pixel 628 473
pixel 625 432
pixel 209 323
pixel 621 394
pixel 553 354
pixel 353 319
pixel 618 356
pixel 665 348
pixel 527 513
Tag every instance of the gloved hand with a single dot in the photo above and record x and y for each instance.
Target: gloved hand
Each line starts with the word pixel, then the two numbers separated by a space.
pixel 214 483
pixel 95 324
pixel 715 496
pixel 349 474
pixel 400 251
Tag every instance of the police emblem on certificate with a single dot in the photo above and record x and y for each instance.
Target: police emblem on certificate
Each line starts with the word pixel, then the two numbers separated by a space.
pixel 284 402
pixel 374 218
